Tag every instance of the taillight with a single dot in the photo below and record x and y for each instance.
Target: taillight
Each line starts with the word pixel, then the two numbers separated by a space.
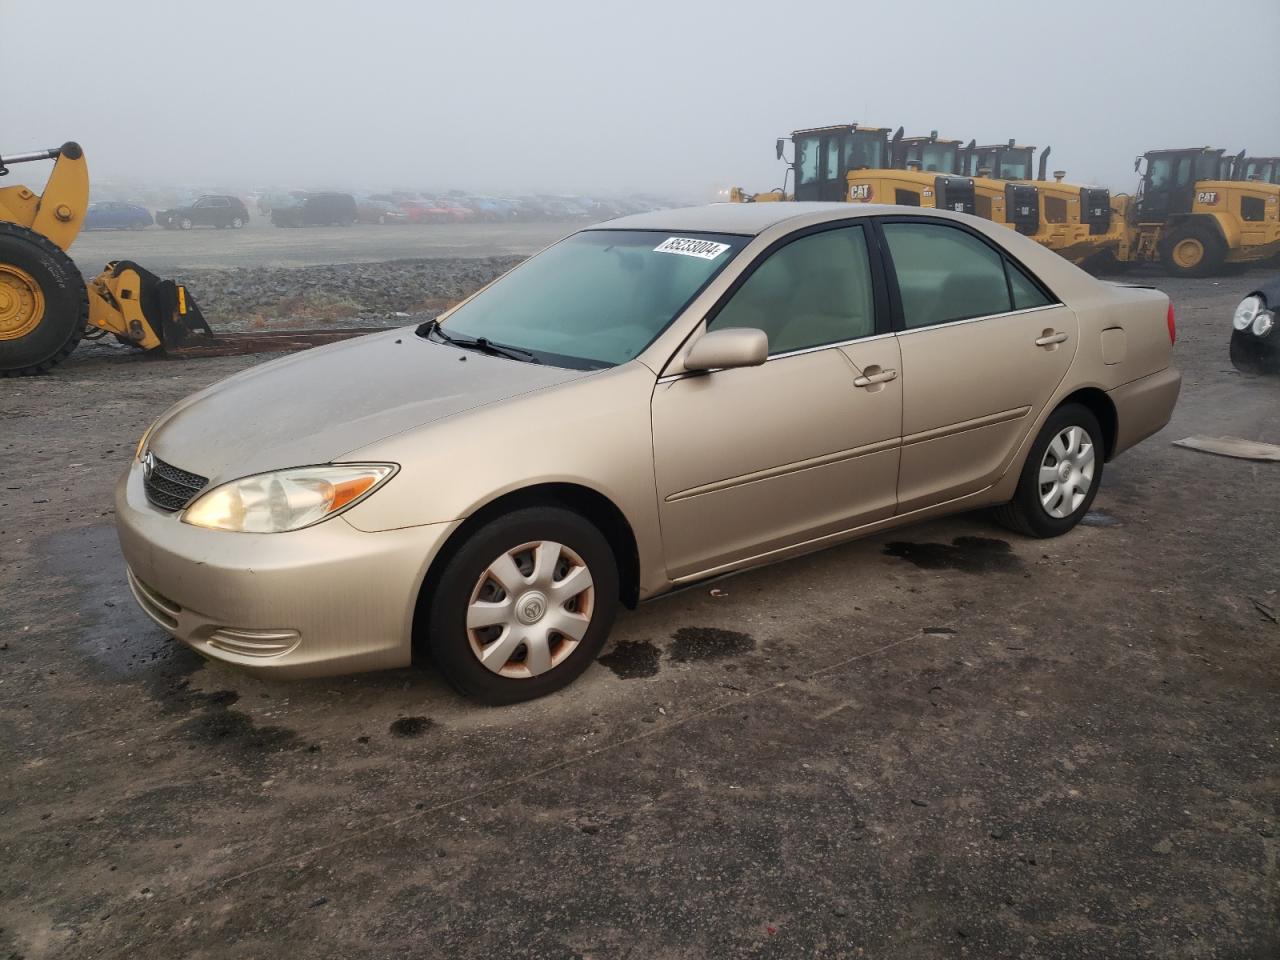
pixel 1173 325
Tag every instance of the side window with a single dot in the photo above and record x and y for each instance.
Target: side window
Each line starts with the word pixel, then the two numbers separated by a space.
pixel 814 291
pixel 807 160
pixel 1025 293
pixel 203 202
pixel 833 158
pixel 945 274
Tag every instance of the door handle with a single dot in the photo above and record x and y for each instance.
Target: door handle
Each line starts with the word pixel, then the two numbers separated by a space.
pixel 1049 339
pixel 884 376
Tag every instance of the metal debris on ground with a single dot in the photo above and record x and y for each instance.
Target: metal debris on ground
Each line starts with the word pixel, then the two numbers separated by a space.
pixel 1232 447
pixel 1265 609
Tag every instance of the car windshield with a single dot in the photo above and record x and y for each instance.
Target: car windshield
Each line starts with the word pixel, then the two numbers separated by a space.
pixel 597 298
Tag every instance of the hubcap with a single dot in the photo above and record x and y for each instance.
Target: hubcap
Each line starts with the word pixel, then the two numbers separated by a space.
pixel 530 609
pixel 21 302
pixel 1066 472
pixel 1187 253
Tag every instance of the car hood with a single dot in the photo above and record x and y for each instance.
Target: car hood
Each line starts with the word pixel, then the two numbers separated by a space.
pixel 315 406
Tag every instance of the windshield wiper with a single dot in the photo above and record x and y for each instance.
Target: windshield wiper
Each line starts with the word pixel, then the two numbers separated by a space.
pixel 483 344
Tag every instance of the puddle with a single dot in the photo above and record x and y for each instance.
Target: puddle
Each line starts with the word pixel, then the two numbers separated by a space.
pixel 112 631
pixel 708 643
pixel 1096 518
pixel 967 554
pixel 633 659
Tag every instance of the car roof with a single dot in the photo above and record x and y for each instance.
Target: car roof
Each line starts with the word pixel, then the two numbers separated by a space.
pixel 747 219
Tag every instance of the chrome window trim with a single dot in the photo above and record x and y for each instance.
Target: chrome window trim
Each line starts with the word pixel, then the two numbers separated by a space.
pixel 877 336
pixel 986 316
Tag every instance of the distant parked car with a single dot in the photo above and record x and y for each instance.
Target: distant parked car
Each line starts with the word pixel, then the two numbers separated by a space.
pixel 214 210
pixel 1255 341
pixel 317 209
pixel 433 211
pixel 116 216
pixel 370 210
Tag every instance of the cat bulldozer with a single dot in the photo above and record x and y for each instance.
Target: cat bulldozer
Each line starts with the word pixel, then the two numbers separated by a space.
pixel 1193 218
pixel 46 305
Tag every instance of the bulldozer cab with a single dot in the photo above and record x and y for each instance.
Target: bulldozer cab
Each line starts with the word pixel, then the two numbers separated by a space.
pixel 825 155
pixel 1168 185
pixel 927 154
pixel 1006 161
pixel 1259 169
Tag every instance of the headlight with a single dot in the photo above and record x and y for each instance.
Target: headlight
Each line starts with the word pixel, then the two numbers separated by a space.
pixel 1245 313
pixel 286 499
pixel 1263 323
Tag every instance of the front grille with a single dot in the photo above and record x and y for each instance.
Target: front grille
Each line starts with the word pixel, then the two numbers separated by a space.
pixel 168 487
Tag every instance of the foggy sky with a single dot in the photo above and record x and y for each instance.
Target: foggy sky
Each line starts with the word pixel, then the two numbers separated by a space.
pixel 681 98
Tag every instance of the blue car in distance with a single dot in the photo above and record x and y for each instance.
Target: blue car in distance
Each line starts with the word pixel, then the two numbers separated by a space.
pixel 116 216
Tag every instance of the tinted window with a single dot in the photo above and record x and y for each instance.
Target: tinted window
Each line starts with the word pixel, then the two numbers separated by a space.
pixel 1025 293
pixel 945 274
pixel 814 291
pixel 864 150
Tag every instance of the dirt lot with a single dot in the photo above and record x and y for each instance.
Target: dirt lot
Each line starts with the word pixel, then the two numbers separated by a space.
pixel 942 742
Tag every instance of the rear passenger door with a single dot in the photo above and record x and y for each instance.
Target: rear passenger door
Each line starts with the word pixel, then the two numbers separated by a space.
pixel 984 346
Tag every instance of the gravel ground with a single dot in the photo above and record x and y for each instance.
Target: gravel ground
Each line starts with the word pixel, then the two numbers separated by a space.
pixel 941 742
pixel 266 297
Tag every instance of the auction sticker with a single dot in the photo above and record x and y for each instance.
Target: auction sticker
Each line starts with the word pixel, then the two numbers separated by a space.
pixel 687 246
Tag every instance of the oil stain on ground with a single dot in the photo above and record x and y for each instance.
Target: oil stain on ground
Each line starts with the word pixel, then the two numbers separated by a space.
pixel 409 727
pixel 216 724
pixel 708 643
pixel 633 659
pixel 967 554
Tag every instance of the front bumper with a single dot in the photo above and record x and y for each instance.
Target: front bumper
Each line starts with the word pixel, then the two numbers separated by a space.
pixel 1253 354
pixel 323 600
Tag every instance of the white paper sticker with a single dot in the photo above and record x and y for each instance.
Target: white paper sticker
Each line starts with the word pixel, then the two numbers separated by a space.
pixel 687 246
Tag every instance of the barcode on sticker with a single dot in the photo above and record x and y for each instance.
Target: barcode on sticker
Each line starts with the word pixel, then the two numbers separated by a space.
pixel 687 246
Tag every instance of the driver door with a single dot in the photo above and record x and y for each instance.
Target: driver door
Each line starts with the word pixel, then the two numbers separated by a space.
pixel 753 460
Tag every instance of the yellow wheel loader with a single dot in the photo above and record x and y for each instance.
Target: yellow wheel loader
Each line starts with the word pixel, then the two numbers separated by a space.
pixel 1190 216
pixel 46 305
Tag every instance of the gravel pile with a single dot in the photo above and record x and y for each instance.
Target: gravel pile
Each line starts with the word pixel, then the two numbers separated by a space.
pixel 257 298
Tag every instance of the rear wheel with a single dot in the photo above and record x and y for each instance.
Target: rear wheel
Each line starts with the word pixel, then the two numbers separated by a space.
pixel 1193 250
pixel 1060 477
pixel 523 606
pixel 43 303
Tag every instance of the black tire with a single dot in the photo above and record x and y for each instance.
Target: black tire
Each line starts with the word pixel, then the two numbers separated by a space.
pixel 447 638
pixel 1210 240
pixel 66 303
pixel 186 223
pixel 1024 513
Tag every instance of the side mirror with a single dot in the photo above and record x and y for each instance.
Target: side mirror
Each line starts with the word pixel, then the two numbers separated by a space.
pixel 728 348
pixel 778 147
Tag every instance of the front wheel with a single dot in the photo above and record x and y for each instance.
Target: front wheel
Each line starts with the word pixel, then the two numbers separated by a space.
pixel 523 606
pixel 185 223
pixel 1060 477
pixel 237 223
pixel 1193 250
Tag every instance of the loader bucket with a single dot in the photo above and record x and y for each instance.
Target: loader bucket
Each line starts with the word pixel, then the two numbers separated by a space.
pixel 167 309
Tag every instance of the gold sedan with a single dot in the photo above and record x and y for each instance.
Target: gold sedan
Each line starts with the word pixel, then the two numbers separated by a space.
pixel 651 402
